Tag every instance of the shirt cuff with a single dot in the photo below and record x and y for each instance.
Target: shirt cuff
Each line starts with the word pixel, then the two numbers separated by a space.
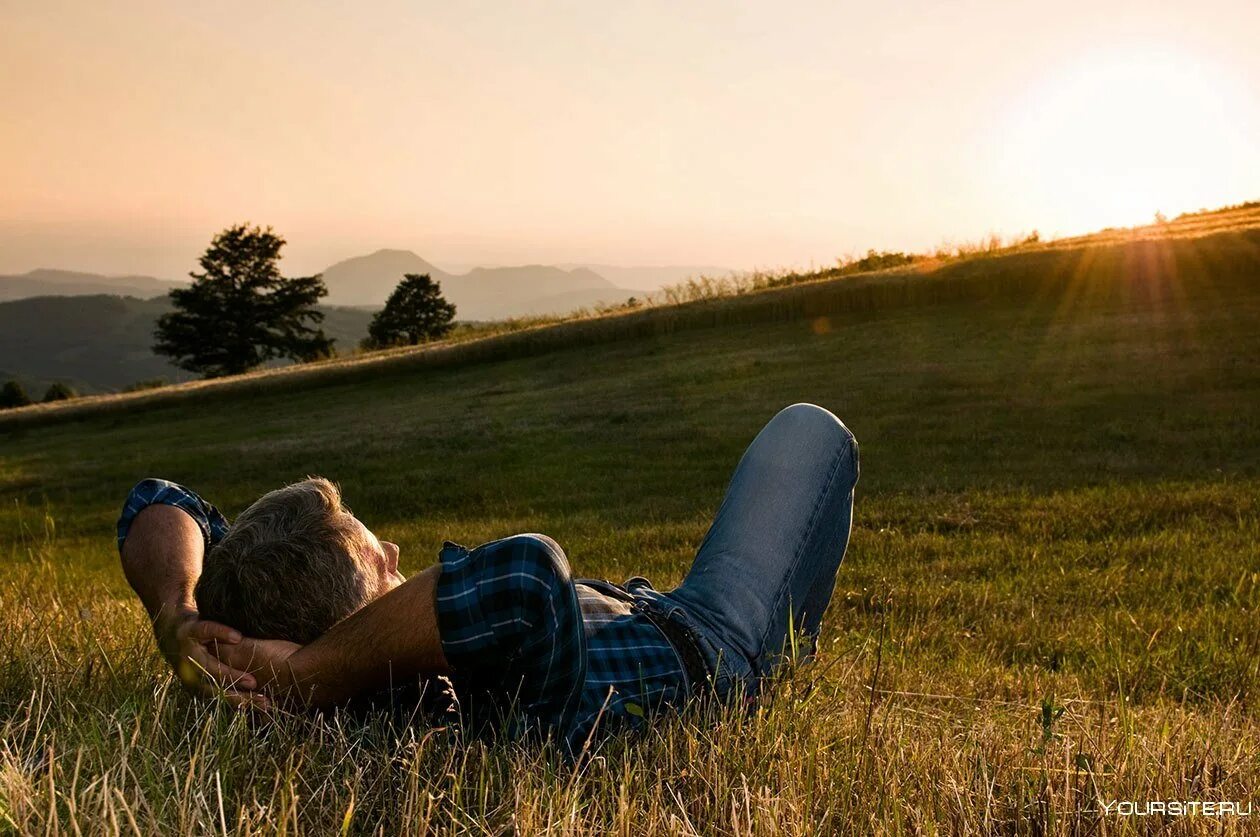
pixel 466 636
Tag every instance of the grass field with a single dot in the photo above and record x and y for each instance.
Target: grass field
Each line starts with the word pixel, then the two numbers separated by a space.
pixel 1050 601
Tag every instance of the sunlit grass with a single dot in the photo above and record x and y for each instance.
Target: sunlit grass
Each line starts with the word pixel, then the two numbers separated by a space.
pixel 1050 601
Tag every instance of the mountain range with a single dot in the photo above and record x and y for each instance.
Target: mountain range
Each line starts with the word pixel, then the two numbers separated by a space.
pixel 94 331
pixel 481 293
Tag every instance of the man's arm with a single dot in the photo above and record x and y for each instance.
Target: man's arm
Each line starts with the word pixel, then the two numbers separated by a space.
pixel 161 558
pixel 392 640
pixel 503 619
pixel 162 553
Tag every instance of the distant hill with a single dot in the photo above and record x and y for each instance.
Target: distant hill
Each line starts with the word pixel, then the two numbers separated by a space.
pixel 484 293
pixel 44 282
pixel 368 280
pixel 492 293
pixel 101 343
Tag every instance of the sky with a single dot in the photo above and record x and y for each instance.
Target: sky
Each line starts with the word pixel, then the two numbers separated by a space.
pixel 724 133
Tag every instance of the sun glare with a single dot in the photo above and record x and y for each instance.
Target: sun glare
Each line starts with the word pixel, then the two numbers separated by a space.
pixel 1114 138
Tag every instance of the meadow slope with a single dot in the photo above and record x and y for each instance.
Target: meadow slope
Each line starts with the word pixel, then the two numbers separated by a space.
pixel 1049 603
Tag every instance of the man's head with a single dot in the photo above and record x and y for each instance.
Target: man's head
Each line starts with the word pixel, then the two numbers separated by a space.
pixel 295 563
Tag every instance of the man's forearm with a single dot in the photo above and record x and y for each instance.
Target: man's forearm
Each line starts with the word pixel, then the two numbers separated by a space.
pixel 391 640
pixel 162 558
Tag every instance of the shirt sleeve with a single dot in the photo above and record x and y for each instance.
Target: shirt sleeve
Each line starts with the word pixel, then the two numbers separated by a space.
pixel 213 525
pixel 511 626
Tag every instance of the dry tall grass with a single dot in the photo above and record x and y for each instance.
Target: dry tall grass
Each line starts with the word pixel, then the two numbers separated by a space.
pixel 859 743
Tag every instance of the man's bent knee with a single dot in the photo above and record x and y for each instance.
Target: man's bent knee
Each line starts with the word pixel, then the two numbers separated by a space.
pixel 813 424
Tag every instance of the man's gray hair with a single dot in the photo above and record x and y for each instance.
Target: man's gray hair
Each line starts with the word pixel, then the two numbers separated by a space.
pixel 290 568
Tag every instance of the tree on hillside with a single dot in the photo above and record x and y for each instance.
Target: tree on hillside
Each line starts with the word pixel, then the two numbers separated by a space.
pixel 415 313
pixel 12 394
pixel 239 311
pixel 59 392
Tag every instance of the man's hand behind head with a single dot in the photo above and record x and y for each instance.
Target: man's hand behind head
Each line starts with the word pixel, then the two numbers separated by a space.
pixel 189 644
pixel 264 661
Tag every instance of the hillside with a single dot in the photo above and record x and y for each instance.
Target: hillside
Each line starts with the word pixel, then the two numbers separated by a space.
pixel 102 343
pixel 1049 597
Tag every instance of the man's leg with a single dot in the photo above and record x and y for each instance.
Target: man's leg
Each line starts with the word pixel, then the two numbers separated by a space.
pixel 770 558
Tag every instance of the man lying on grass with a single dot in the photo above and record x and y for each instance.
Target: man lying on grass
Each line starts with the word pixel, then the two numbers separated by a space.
pixel 300 602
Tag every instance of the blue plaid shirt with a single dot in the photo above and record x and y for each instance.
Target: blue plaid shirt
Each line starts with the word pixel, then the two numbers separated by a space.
pixel 574 657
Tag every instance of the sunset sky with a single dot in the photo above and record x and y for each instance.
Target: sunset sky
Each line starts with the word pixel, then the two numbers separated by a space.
pixel 722 133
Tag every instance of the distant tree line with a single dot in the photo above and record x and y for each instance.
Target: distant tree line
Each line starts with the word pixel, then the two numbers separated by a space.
pixel 13 394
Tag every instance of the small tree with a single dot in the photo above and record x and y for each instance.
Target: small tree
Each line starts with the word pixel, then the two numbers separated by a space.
pixel 59 392
pixel 414 313
pixel 240 312
pixel 12 394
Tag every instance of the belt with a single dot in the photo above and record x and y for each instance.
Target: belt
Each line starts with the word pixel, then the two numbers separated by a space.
pixel 680 637
pixel 685 646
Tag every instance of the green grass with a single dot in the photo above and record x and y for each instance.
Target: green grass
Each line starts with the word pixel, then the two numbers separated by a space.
pixel 1050 598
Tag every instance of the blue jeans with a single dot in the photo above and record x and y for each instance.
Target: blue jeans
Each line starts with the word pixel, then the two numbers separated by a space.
pixel 768 564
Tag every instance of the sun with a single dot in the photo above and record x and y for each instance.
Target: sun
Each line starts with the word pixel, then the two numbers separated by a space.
pixel 1114 137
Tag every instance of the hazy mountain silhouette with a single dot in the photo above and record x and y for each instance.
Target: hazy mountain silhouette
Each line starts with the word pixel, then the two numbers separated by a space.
pixel 483 293
pixel 368 280
pixel 96 332
pixel 44 282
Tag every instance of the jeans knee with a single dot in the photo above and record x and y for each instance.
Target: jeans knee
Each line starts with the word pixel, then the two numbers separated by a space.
pixel 814 423
pixel 808 427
